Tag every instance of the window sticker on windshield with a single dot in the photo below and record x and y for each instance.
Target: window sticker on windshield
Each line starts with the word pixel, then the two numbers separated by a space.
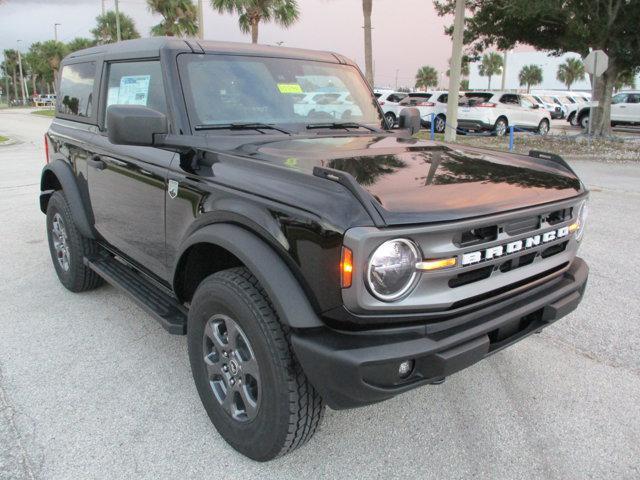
pixel 134 90
pixel 289 88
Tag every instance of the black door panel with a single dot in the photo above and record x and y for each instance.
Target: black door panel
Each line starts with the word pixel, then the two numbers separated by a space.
pixel 127 186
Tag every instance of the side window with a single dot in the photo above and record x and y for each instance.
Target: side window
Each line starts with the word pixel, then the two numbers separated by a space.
pixel 525 103
pixel 619 98
pixel 76 89
pixel 444 98
pixel 136 83
pixel 509 99
pixel 633 98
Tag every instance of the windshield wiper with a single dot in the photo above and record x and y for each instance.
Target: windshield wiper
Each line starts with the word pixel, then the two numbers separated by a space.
pixel 340 125
pixel 241 126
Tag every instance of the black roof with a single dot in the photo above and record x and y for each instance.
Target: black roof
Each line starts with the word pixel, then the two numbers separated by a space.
pixel 151 47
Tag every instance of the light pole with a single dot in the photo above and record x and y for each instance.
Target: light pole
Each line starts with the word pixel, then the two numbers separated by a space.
pixel 397 71
pixel 55 31
pixel 118 36
pixel 24 97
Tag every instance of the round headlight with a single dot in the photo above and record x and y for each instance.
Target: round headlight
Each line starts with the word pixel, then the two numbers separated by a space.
pixel 582 219
pixel 391 272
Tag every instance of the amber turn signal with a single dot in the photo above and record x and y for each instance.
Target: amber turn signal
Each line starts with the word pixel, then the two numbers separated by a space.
pixel 436 264
pixel 573 227
pixel 346 267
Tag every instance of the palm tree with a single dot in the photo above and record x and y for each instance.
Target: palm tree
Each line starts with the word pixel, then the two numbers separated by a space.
pixel 53 52
pixel 105 31
pixel 10 67
pixel 570 72
pixel 80 43
pixel 180 17
pixel 491 65
pixel 368 49
pixel 464 66
pixel 530 75
pixel 252 12
pixel 426 77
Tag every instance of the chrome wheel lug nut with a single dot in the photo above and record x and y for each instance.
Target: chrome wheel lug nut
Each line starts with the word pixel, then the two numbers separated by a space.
pixel 225 353
pixel 232 382
pixel 225 368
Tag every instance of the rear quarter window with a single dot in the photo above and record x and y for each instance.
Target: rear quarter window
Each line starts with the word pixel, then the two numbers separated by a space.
pixel 76 89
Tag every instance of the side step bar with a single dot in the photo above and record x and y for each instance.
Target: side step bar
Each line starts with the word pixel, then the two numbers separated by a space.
pixel 164 308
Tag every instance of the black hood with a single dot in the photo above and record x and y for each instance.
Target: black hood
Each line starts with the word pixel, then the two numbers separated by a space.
pixel 416 181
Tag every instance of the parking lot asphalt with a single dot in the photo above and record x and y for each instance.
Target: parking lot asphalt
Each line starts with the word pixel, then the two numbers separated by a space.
pixel 92 387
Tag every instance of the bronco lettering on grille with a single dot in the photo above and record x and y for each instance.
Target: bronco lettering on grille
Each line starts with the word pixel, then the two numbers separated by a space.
pixel 513 247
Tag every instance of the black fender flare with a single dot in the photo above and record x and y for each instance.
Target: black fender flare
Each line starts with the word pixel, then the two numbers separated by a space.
pixel 67 180
pixel 282 287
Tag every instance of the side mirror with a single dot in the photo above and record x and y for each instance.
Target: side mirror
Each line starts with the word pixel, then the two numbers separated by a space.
pixel 410 119
pixel 134 125
pixel 535 105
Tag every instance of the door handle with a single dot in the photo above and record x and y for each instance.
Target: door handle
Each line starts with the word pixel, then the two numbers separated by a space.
pixel 96 162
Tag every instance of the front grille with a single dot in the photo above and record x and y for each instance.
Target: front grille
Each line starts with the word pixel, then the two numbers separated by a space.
pixel 506 289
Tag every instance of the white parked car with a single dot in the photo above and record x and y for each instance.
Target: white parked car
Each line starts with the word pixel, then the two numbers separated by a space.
pixel 496 111
pixel 326 105
pixel 389 100
pixel 625 109
pixel 554 109
pixel 579 102
pixel 429 103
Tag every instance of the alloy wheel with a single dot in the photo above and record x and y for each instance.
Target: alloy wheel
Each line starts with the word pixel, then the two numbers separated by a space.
pixel 60 242
pixel 501 128
pixel 232 368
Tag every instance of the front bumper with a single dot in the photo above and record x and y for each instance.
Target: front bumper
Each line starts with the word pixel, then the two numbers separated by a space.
pixel 351 369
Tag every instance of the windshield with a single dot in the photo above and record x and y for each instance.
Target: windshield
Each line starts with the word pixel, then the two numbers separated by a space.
pixel 232 89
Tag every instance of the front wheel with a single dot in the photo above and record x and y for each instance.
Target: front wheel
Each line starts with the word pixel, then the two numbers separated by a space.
pixel 440 124
pixel 584 122
pixel 250 383
pixel 390 119
pixel 543 127
pixel 500 128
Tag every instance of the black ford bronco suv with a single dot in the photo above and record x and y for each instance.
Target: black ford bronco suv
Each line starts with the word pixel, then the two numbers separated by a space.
pixel 253 199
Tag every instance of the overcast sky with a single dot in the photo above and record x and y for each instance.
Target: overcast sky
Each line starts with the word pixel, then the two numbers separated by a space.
pixel 406 33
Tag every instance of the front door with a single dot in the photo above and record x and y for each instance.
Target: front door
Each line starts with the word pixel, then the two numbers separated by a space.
pixel 127 185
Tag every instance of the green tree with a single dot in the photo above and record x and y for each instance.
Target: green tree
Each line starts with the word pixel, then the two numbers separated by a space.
pixel 367 7
pixel 560 26
pixel 80 43
pixel 530 75
pixel 251 12
pixel 426 77
pixel 105 31
pixel 570 72
pixel 179 17
pixel 491 65
pixel 464 84
pixel 626 79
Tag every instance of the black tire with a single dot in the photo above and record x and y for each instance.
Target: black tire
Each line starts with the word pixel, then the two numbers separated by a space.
pixel 440 124
pixel 390 120
pixel 500 127
pixel 76 276
pixel 289 410
pixel 572 119
pixel 543 127
pixel 583 121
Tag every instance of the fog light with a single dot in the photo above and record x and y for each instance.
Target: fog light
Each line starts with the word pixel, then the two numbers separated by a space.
pixel 405 368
